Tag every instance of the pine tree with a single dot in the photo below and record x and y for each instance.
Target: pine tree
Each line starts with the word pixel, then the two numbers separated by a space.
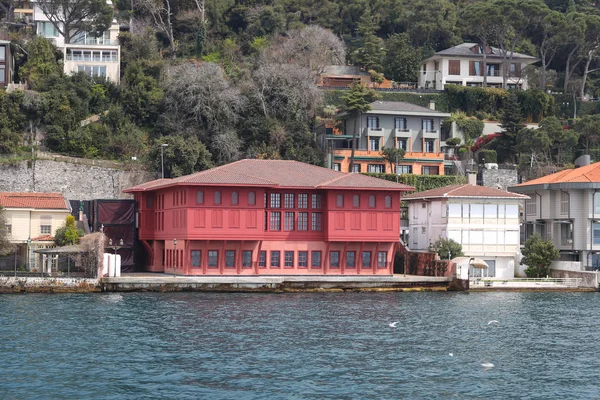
pixel 370 54
pixel 357 101
pixel 512 123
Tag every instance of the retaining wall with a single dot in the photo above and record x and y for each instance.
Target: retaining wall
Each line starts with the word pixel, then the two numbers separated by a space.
pixel 48 285
pixel 589 279
pixel 76 179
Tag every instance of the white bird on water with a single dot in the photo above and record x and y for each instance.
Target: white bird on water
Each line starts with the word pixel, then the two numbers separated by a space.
pixel 487 365
pixel 393 324
pixel 493 322
pixel 451 355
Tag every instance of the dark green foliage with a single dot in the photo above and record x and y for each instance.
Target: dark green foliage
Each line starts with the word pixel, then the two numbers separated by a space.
pixel 487 156
pixel 402 60
pixel 538 254
pixel 473 99
pixel 335 98
pixel 422 182
pixel 447 249
pixel 183 156
pixel 41 61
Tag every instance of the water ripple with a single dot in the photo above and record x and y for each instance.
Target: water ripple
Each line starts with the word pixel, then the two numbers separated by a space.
pixel 299 346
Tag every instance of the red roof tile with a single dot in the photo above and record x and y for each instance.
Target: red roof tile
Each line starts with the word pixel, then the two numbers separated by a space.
pixel 273 173
pixel 466 190
pixel 48 201
pixel 586 174
pixel 43 238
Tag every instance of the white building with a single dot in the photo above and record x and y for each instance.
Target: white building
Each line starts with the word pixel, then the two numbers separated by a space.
pixel 96 56
pixel 565 208
pixel 484 220
pixel 463 65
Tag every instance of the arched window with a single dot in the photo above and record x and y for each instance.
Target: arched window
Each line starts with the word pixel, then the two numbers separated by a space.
pixel 340 200
pixel 252 198
pixel 356 201
pixel 388 202
pixel 217 199
pixel 200 197
pixel 372 202
pixel 234 198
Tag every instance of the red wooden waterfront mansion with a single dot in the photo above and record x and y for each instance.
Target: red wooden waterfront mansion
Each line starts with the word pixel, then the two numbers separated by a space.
pixel 270 217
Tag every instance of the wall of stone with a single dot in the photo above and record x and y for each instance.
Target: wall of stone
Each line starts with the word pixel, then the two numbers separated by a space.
pixel 589 279
pixel 76 179
pixel 53 285
pixel 499 178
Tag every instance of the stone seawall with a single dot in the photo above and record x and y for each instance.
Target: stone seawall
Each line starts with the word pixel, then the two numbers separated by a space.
pixel 589 279
pixel 76 179
pixel 48 285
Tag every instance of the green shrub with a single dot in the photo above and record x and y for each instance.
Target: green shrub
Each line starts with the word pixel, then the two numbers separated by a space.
pixel 421 182
pixel 487 156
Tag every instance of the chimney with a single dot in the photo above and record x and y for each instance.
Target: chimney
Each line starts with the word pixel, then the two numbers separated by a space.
pixel 472 178
pixel 432 105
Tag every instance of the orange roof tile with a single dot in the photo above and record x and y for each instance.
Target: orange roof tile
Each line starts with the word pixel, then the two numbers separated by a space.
pixel 585 174
pixel 466 190
pixel 274 173
pixel 43 238
pixel 48 201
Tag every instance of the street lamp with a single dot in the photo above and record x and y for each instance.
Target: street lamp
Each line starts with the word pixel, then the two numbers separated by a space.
pixel 175 259
pixel 116 246
pixel 162 158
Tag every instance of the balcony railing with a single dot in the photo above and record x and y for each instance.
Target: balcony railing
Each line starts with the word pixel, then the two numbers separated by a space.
pixel 402 132
pixel 96 42
pixel 104 58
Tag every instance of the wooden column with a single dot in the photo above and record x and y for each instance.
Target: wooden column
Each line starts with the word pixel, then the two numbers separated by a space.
pixel 376 266
pixel 358 263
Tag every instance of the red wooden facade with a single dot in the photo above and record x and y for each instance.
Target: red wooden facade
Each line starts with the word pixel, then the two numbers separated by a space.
pixel 269 217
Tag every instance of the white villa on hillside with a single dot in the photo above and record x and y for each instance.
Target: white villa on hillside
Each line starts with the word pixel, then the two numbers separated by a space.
pixel 484 220
pixel 96 56
pixel 463 65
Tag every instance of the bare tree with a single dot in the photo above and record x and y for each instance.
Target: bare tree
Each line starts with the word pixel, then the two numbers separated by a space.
pixel 203 95
pixel 72 17
pixel 8 8
pixel 287 90
pixel 161 14
pixel 312 47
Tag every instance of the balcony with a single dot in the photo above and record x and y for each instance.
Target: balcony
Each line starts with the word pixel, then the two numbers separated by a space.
pixel 96 42
pixel 404 133
pixel 95 58
pixel 374 132
pixel 429 134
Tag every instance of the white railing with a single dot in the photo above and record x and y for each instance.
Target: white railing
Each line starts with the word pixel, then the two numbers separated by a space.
pixel 525 282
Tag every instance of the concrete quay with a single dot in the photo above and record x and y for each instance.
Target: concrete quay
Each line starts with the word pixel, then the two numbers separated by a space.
pixel 298 283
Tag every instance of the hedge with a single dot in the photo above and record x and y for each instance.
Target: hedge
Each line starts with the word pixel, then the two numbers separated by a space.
pixel 334 97
pixel 422 182
pixel 490 156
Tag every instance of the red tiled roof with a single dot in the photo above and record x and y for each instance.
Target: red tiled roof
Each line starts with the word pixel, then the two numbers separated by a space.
pixel 43 238
pixel 49 201
pixel 273 173
pixel 466 190
pixel 586 174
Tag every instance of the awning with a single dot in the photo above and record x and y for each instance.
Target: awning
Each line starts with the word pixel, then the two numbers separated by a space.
pixel 73 249
pixel 471 262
